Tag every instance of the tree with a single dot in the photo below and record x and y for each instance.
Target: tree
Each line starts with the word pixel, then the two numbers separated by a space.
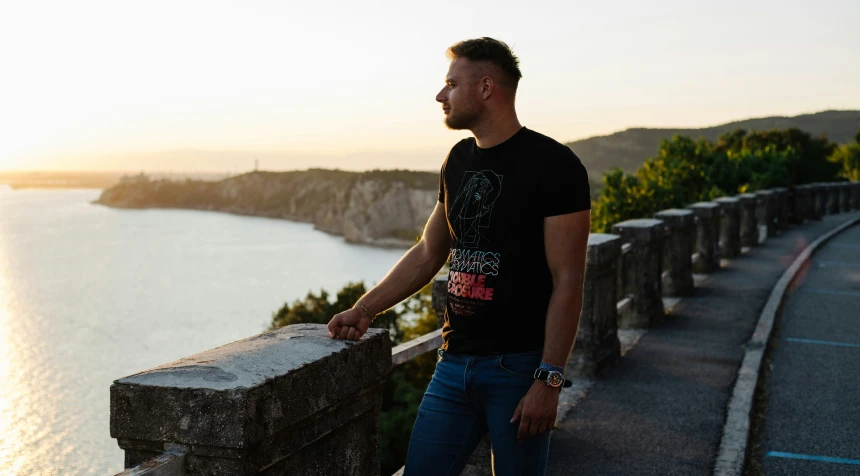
pixel 807 156
pixel 847 157
pixel 685 171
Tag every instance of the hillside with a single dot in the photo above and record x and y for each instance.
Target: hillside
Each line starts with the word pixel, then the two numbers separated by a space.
pixel 387 208
pixel 628 149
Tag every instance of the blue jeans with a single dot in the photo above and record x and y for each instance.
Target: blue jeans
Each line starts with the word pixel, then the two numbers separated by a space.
pixel 468 397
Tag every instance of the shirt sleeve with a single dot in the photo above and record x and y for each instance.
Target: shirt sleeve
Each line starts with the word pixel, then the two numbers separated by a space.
pixel 564 185
pixel 442 179
pixel 442 185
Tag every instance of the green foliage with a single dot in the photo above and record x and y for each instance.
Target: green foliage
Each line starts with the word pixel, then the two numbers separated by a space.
pixel 807 156
pixel 847 157
pixel 405 385
pixel 685 171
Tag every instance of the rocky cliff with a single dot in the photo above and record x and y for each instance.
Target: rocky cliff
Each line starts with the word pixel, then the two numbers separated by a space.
pixel 387 208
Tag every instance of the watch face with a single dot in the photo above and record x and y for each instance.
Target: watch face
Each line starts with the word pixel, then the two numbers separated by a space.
pixel 554 379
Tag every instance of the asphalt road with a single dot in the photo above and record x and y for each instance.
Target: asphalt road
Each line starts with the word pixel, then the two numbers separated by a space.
pixel 661 409
pixel 812 422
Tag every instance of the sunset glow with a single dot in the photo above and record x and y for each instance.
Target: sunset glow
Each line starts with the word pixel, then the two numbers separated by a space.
pixel 211 86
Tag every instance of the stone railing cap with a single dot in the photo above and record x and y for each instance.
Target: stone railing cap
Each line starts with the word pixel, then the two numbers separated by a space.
pixel 597 239
pixel 248 362
pixel 727 200
pixel 639 223
pixel 704 205
pixel 237 394
pixel 674 212
pixel 603 248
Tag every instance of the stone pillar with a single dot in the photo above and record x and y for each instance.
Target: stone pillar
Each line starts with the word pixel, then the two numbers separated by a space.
pixel 749 222
pixel 816 201
pixel 765 210
pixel 844 197
pixel 799 201
pixel 832 198
pixel 730 227
pixel 708 217
pixel 289 401
pixel 782 213
pixel 440 298
pixel 855 195
pixel 643 267
pixel 597 345
pixel 677 257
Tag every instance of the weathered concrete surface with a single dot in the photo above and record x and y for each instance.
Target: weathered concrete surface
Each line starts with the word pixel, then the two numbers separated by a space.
pixel 813 387
pixel 597 345
pixel 661 409
pixel 677 261
pixel 262 401
pixel 642 270
pixel 708 217
pixel 730 227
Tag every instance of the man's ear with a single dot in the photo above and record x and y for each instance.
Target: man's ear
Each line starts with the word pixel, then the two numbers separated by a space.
pixel 487 87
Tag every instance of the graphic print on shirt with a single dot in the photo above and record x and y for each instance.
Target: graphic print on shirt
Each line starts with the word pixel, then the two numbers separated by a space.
pixel 470 280
pixel 472 209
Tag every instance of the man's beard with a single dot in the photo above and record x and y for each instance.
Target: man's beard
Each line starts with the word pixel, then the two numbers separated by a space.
pixel 462 120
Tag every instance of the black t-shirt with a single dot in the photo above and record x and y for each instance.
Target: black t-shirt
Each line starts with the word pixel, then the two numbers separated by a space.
pixel 495 200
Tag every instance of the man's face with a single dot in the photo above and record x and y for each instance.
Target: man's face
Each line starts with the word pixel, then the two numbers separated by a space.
pixel 461 97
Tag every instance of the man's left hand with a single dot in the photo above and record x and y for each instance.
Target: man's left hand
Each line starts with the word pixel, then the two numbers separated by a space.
pixel 536 411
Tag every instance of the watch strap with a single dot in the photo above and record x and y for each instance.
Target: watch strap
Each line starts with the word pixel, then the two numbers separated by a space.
pixel 541 374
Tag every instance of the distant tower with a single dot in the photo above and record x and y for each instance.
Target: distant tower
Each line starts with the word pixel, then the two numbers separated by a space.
pixel 256 162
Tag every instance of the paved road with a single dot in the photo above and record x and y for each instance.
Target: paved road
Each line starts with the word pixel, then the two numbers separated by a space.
pixel 661 410
pixel 813 418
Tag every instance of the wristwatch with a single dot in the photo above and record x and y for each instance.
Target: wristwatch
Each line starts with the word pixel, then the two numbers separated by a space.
pixel 552 378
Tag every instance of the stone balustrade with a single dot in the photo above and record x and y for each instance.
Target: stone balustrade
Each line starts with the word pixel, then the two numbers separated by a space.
pixel 677 253
pixel 708 218
pixel 766 211
pixel 832 198
pixel 282 402
pixel 294 401
pixel 818 199
pixel 749 202
pixel 642 271
pixel 597 346
pixel 730 234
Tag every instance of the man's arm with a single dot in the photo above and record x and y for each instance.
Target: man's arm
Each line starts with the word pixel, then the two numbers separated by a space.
pixel 414 270
pixel 566 242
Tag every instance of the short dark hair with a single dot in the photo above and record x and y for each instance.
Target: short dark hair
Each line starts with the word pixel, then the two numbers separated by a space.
pixel 492 51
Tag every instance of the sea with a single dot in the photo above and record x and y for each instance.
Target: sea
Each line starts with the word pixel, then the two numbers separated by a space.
pixel 90 294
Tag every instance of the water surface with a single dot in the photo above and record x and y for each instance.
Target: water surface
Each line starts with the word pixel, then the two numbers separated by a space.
pixel 89 294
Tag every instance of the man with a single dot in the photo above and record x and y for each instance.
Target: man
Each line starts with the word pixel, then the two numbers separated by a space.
pixel 513 214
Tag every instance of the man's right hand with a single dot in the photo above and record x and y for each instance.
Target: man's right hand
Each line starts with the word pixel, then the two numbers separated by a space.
pixel 350 324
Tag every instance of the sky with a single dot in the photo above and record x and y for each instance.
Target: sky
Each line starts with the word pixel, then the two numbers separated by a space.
pixel 212 86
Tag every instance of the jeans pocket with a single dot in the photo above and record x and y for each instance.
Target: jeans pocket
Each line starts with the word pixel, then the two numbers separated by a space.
pixel 522 364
